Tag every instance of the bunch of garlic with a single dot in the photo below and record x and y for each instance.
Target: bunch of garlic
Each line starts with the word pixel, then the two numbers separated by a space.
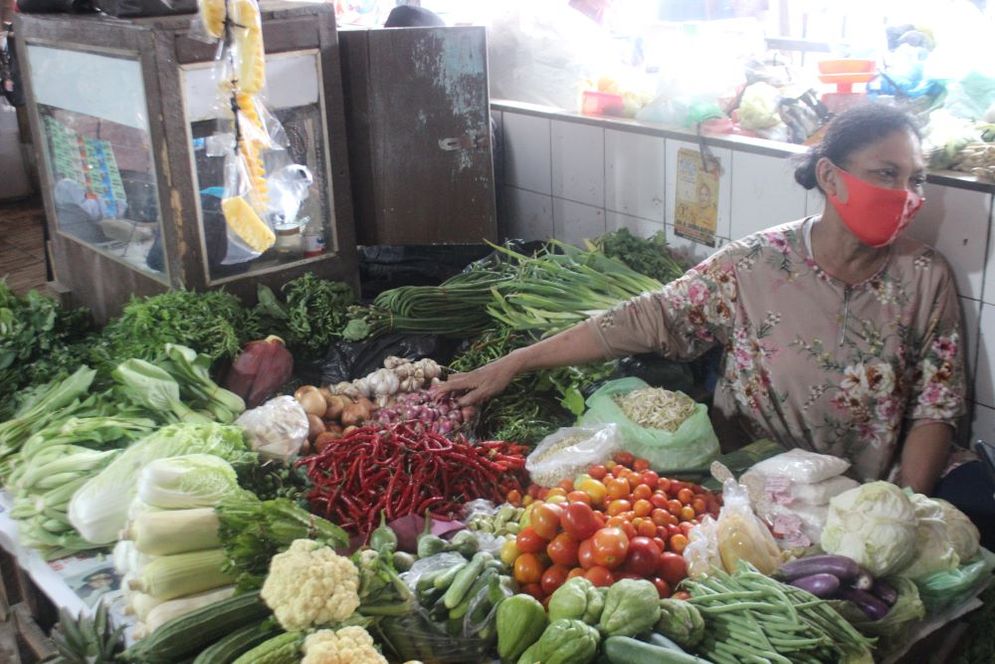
pixel 398 376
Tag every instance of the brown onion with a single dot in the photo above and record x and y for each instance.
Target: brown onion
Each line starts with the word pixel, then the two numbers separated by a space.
pixel 314 426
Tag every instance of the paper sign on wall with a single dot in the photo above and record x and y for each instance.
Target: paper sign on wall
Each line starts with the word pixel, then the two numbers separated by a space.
pixel 697 201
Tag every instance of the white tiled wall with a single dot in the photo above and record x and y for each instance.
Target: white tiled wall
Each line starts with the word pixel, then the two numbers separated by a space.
pixel 574 181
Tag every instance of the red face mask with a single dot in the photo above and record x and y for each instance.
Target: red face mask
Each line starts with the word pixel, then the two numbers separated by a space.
pixel 876 215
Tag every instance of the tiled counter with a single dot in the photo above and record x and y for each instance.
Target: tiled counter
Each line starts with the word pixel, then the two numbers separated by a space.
pixel 574 177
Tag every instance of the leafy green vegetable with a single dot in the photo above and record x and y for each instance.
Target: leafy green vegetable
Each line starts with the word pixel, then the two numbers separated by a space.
pixel 152 387
pixel 315 313
pixel 213 323
pixel 186 481
pixel 651 256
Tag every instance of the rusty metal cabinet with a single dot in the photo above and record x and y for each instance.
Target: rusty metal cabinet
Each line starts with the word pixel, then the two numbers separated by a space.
pixel 122 111
pixel 418 118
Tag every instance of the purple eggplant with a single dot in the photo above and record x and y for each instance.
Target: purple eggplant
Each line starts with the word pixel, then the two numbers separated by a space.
pixel 820 585
pixel 841 567
pixel 872 607
pixel 885 592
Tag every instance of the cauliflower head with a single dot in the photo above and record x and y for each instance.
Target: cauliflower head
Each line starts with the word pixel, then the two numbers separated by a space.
pixel 349 645
pixel 309 585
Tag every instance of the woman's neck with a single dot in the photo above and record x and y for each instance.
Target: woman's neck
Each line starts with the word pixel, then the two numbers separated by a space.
pixel 839 253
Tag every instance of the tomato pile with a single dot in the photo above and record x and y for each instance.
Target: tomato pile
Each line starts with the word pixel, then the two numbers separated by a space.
pixel 619 520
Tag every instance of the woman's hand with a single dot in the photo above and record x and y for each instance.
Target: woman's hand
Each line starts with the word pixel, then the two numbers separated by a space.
pixel 483 383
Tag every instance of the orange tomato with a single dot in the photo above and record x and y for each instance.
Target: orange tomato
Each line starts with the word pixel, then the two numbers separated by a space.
pixel 687 513
pixel 649 478
pixel 640 465
pixel 595 489
pixel 677 543
pixel 642 507
pixel 616 507
pixel 685 495
pixel 618 487
pixel 629 529
pixel 528 569
pixel 576 571
pixel 660 517
pixel 600 576
pixel 663 484
pixel 610 547
pixel 675 506
pixel 545 520
pixel 579 497
pixel 698 505
pixel 567 485
pixel 642 492
pixel 514 497
pixel 660 499
pixel 647 528
pixel 615 522
pixel 556 491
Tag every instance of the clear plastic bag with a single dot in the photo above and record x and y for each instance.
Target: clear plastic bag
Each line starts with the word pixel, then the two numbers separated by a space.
pixel 702 552
pixel 692 445
pixel 742 535
pixel 802 466
pixel 570 451
pixel 943 590
pixel 277 429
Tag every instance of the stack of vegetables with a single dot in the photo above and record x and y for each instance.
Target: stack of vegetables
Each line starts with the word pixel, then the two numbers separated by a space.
pixel 619 520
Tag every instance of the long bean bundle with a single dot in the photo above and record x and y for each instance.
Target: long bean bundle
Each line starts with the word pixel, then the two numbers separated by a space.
pixel 553 291
pixel 751 617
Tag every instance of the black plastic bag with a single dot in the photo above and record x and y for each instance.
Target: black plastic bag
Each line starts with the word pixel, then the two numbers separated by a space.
pixel 383 267
pixel 347 361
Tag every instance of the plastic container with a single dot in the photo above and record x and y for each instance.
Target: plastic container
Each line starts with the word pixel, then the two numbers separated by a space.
pixel 847 66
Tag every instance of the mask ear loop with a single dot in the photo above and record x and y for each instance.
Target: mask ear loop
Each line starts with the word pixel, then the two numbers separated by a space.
pixel 708 160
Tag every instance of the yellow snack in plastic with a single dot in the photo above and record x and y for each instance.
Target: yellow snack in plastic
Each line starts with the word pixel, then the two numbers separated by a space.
pixel 246 224
pixel 212 15
pixel 251 53
pixel 247 107
pixel 259 190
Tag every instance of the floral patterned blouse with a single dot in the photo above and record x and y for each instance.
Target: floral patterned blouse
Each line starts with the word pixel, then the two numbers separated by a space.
pixel 810 361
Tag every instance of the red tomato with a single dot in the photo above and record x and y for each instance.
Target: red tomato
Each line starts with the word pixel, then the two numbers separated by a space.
pixel 610 547
pixel 685 495
pixel 579 521
pixel 545 520
pixel 642 507
pixel 598 472
pixel 685 528
pixel 640 465
pixel 585 554
pixel 660 499
pixel 576 571
pixel 528 569
pixel 664 484
pixel 529 541
pixel 671 568
pixel 662 587
pixel 601 577
pixel 566 485
pixel 673 529
pixel 675 506
pixel 553 578
pixel 624 459
pixel 698 504
pixel 629 529
pixel 563 550
pixel 514 497
pixel 660 542
pixel 643 557
pixel 677 543
pixel 533 589
pixel 579 497
pixel 649 478
pixel 642 492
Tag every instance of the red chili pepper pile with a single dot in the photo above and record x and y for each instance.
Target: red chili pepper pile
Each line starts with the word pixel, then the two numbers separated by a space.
pixel 403 472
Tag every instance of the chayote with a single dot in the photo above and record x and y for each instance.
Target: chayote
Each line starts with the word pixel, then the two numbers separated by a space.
pixel 567 641
pixel 681 621
pixel 631 607
pixel 579 599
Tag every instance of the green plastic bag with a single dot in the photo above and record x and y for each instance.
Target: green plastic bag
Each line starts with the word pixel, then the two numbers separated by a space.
pixel 692 445
pixel 942 590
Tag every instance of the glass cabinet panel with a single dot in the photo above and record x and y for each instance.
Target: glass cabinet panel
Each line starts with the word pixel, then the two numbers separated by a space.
pixel 303 228
pixel 92 113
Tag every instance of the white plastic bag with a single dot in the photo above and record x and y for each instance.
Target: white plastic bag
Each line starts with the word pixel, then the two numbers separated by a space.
pixel 277 429
pixel 742 535
pixel 570 451
pixel 702 552
pixel 801 466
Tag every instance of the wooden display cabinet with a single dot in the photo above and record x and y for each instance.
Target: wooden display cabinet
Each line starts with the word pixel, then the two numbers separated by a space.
pixel 128 128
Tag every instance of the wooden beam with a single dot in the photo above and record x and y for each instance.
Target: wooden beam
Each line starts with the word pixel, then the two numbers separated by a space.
pixel 8 644
pixel 31 635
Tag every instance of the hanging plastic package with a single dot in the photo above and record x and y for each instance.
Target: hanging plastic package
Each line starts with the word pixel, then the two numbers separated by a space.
pixel 692 445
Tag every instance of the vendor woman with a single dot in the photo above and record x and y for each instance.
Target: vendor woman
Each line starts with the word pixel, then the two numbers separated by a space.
pixel 841 335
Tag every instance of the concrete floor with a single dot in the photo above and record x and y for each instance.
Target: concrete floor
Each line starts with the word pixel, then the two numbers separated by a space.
pixel 22 245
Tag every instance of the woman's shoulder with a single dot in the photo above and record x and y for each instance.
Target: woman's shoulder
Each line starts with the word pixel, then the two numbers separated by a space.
pixel 916 260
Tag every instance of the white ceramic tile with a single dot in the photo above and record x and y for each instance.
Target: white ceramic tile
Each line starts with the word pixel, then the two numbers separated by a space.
pixel 690 251
pixel 578 163
pixel 955 221
pixel 575 222
pixel 635 174
pixel 526 152
pixel 497 133
pixel 984 380
pixel 636 225
pixel 988 294
pixel 764 193
pixel 814 202
pixel 724 156
pixel 983 427
pixel 529 215
pixel 971 313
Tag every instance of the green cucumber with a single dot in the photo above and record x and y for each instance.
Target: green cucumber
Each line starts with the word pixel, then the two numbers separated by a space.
pixel 626 650
pixel 444 580
pixel 464 580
